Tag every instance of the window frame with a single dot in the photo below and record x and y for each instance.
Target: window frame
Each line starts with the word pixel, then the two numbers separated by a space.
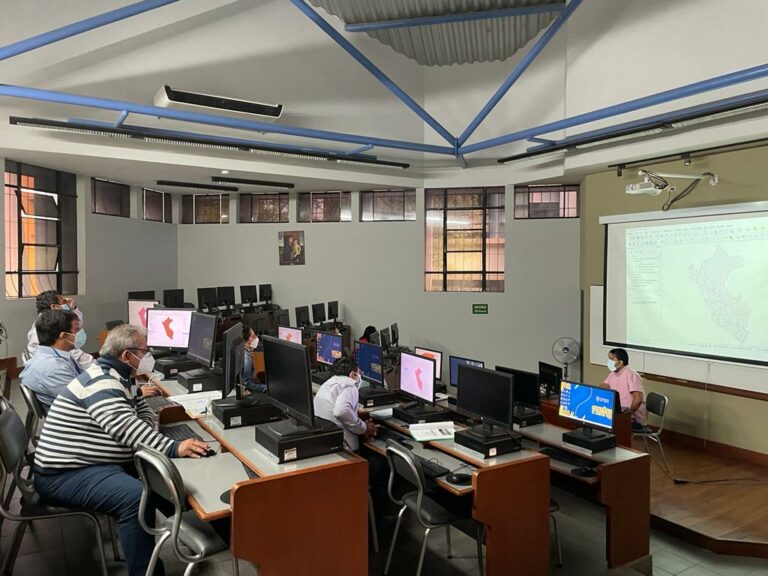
pixel 224 199
pixel 252 195
pixel 342 195
pixel 403 193
pixel 563 207
pixel 167 201
pixel 127 191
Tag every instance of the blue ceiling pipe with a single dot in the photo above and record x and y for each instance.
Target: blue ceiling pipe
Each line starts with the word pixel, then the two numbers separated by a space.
pixel 79 27
pixel 455 18
pixel 710 84
pixel 213 120
pixel 522 66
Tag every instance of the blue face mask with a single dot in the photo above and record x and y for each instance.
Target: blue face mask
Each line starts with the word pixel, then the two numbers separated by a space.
pixel 64 307
pixel 80 339
pixel 611 365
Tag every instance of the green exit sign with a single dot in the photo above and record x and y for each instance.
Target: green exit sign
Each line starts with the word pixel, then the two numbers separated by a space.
pixel 479 308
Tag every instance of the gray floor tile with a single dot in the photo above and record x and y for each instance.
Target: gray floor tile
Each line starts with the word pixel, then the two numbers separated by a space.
pixel 698 571
pixel 734 565
pixel 670 562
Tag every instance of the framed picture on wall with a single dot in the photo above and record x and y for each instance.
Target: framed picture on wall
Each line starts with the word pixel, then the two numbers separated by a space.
pixel 291 248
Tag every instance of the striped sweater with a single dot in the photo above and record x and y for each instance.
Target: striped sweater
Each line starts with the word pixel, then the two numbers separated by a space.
pixel 98 419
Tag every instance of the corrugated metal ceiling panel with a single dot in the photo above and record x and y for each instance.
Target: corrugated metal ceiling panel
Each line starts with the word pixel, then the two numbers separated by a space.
pixel 445 44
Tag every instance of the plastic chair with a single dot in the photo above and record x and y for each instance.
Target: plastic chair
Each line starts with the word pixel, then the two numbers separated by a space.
pixel 656 404
pixel 162 479
pixel 430 514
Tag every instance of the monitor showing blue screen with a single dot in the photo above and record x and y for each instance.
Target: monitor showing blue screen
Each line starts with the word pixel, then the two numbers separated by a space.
pixel 369 359
pixel 328 348
pixel 590 405
pixel 455 362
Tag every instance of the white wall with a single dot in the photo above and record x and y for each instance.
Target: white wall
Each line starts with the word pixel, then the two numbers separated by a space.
pixel 375 271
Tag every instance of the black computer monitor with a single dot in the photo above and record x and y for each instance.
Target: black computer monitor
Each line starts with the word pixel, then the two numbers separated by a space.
pixel 436 356
pixel 173 298
pixel 207 298
pixel 417 378
pixel 226 296
pixel 328 348
pixel 233 359
pixel 202 337
pixel 455 361
pixel 261 323
pixel 592 406
pixel 168 328
pixel 249 294
pixel 386 339
pixel 527 391
pixel 286 366
pixel 373 338
pixel 549 378
pixel 302 316
pixel 137 311
pixel 141 295
pixel 333 310
pixel 265 292
pixel 318 313
pixel 370 359
pixel 395 333
pixel 283 318
pixel 487 395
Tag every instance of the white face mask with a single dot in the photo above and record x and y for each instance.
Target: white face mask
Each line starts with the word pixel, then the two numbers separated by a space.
pixel 253 344
pixel 146 364
pixel 611 365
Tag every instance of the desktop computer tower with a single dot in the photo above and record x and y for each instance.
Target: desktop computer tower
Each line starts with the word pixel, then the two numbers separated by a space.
pixel 371 396
pixel 201 380
pixel 487 447
pixel 523 416
pixel 589 443
pixel 170 366
pixel 256 409
pixel 330 438
pixel 420 414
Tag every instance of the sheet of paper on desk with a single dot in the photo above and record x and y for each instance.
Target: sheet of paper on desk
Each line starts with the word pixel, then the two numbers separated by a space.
pixel 385 414
pixel 432 431
pixel 197 405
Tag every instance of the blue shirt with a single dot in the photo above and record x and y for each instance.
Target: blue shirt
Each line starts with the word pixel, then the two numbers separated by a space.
pixel 248 381
pixel 49 372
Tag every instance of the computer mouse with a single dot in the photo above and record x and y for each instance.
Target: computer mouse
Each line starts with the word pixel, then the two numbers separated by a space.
pixel 209 452
pixel 585 472
pixel 461 479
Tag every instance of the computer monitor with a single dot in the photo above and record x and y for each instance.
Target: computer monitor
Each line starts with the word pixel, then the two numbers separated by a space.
pixel 417 377
pixel 168 327
pixel 207 298
pixel 249 294
pixel 370 359
pixel 286 366
pixel 302 316
pixel 395 333
pixel 261 323
pixel 436 356
pixel 318 313
pixel 455 361
pixel 173 298
pixel 283 318
pixel 333 310
pixel 226 296
pixel 386 339
pixel 265 292
pixel 202 337
pixel 488 395
pixel 328 348
pixel 141 295
pixel 526 387
pixel 233 360
pixel 549 378
pixel 592 406
pixel 373 338
pixel 289 334
pixel 137 311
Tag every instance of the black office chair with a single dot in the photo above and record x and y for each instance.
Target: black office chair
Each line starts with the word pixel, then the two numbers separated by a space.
pixel 655 404
pixel 35 414
pixel 161 478
pixel 13 457
pixel 429 513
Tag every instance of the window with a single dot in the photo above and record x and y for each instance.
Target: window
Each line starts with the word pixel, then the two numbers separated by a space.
pixel 464 249
pixel 547 201
pixel 40 231
pixel 205 209
pixel 110 198
pixel 157 206
pixel 263 208
pixel 387 205
pixel 325 207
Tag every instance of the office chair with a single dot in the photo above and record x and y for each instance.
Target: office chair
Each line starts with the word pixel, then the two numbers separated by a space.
pixel 5 384
pixel 656 404
pixel 13 457
pixel 35 414
pixel 160 477
pixel 555 507
pixel 429 513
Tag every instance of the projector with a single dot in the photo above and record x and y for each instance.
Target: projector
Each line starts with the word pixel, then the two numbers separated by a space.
pixel 643 188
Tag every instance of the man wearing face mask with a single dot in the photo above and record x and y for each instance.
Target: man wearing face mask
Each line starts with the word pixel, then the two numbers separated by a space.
pixel 52 300
pixel 85 455
pixel 337 401
pixel 628 384
pixel 251 344
pixel 52 368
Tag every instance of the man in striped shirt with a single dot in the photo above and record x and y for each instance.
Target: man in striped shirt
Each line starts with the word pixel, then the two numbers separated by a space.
pixel 85 454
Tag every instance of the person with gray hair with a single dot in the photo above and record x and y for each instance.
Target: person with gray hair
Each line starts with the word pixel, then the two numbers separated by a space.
pixel 84 457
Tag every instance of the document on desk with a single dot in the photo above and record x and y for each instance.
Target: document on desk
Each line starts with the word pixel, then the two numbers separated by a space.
pixel 197 405
pixel 432 431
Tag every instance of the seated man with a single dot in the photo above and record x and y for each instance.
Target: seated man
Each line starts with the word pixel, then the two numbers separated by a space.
pixel 251 344
pixel 52 368
pixel 52 300
pixel 337 401
pixel 628 384
pixel 85 454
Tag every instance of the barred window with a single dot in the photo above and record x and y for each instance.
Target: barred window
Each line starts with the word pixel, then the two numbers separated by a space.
pixel 110 198
pixel 387 205
pixel 157 206
pixel 260 208
pixel 325 207
pixel 546 201
pixel 205 209
pixel 464 240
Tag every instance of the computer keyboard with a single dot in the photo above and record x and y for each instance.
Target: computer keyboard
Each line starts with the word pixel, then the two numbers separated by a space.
pixel 567 457
pixel 251 473
pixel 179 432
pixel 157 402
pixel 431 469
pixel 321 377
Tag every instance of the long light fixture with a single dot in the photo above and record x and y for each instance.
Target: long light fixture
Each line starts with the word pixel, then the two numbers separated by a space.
pixel 245 182
pixel 196 186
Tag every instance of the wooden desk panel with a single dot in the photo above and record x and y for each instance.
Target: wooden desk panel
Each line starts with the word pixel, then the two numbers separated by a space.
pixel 622 424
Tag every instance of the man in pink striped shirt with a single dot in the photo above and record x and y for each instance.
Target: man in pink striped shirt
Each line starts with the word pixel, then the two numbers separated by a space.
pixel 628 384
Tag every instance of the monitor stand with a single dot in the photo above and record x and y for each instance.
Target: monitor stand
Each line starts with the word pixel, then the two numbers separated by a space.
pixel 416 413
pixel 291 428
pixel 589 440
pixel 526 416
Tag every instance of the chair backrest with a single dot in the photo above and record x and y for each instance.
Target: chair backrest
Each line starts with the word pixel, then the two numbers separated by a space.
pixel 25 356
pixel 656 403
pixel 35 412
pixel 403 464
pixel 13 450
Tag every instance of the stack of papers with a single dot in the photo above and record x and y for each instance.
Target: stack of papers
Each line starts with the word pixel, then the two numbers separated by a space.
pixel 197 405
pixel 432 431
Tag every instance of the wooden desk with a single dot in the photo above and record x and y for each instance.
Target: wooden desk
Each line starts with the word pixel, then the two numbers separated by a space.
pixel 622 422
